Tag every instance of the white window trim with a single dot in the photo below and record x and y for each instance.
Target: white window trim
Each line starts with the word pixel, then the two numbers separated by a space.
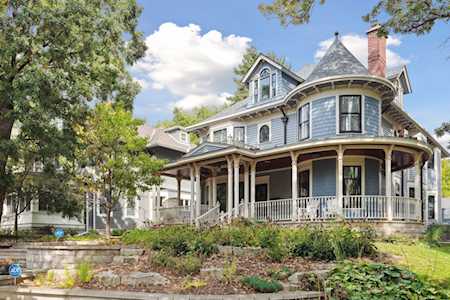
pixel 310 120
pixel 338 113
pixel 257 78
pixel 269 124
pixel 136 209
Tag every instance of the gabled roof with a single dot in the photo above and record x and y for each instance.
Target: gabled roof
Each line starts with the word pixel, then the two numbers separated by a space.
pixel 338 60
pixel 206 147
pixel 270 61
pixel 400 73
pixel 159 138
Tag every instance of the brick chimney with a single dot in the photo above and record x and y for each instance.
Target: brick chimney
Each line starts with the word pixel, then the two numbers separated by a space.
pixel 377 52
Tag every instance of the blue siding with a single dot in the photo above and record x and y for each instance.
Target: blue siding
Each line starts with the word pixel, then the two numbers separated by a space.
pixel 252 134
pixel 372 181
pixel 372 115
pixel 287 84
pixel 324 177
pixel 323 115
pixel 292 128
pixel 277 132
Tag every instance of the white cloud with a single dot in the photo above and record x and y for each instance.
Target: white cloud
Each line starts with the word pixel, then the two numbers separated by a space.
pixel 197 69
pixel 357 44
pixel 443 140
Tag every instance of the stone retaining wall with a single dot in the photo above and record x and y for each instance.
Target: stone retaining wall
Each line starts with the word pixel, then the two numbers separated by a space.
pixel 67 256
pixel 13 293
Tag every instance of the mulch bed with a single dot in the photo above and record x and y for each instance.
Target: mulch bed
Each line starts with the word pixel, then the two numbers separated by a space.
pixel 246 265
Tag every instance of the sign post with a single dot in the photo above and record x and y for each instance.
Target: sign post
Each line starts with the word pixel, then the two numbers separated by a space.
pixel 15 271
pixel 59 233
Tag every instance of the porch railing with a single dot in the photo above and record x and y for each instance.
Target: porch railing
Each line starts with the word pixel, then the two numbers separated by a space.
pixel 211 217
pixel 406 209
pixel 365 207
pixel 273 210
pixel 175 215
pixel 317 208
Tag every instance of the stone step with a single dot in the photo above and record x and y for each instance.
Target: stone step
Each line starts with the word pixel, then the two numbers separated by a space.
pixel 131 251
pixel 125 259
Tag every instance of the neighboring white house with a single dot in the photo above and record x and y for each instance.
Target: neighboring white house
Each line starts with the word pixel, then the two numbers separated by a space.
pixel 169 144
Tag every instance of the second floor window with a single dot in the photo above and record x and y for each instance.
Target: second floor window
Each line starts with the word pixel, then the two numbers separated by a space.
pixel 220 136
pixel 303 122
pixel 264 134
pixel 239 134
pixel 265 84
pixel 350 114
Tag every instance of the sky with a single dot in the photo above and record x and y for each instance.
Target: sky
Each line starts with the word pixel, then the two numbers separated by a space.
pixel 194 45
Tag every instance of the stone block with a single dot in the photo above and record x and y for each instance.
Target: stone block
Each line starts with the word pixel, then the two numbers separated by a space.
pixel 141 279
pixel 107 278
pixel 213 272
pixel 126 259
pixel 131 252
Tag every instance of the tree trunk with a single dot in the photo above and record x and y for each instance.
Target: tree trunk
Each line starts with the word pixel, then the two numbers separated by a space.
pixel 6 124
pixel 108 223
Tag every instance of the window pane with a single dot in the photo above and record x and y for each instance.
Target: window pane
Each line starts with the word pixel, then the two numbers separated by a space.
pixel 355 123
pixel 304 183
pixel 274 84
pixel 350 104
pixel 220 136
pixel 239 134
pixel 255 90
pixel 265 88
pixel 305 112
pixel 352 180
pixel 264 134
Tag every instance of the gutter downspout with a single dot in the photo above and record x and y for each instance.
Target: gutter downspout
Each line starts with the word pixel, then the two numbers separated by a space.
pixel 285 120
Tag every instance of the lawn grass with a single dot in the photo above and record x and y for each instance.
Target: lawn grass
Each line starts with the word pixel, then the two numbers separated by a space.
pixel 429 262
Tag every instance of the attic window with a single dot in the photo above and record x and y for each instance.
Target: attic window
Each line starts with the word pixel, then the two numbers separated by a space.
pixel 265 84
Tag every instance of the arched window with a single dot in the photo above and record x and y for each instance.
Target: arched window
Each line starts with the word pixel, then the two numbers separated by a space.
pixel 264 82
pixel 264 134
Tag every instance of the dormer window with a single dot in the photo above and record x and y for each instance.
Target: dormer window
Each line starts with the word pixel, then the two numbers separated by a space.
pixel 265 84
pixel 265 87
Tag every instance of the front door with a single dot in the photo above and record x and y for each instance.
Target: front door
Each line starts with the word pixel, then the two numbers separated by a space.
pixel 303 184
pixel 222 196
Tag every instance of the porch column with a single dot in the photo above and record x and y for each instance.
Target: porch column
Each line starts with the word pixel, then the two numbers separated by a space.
pixel 158 203
pixel 438 174
pixel 418 188
pixel 210 202
pixel 340 182
pixel 388 176
pixel 252 188
pixel 151 205
pixel 214 188
pixel 246 188
pixel 192 202
pixel 294 184
pixel 198 191
pixel 179 178
pixel 230 188
pixel 236 186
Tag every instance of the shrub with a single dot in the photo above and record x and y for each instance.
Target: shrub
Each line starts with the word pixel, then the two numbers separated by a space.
pixel 190 283
pixel 117 232
pixel 204 246
pixel 229 271
pixel 262 285
pixel 188 265
pixel 68 281
pixel 162 259
pixel 84 272
pixel 437 233
pixel 280 274
pixel 378 281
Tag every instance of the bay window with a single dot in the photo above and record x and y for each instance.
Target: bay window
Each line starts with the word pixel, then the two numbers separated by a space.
pixel 350 113
pixel 303 122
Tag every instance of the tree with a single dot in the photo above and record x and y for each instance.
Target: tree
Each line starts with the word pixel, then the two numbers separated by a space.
pixel 40 173
pixel 446 178
pixel 187 118
pixel 241 70
pixel 402 16
pixel 116 154
pixel 56 56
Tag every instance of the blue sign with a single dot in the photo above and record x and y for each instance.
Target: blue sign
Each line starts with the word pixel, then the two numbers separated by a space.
pixel 59 233
pixel 15 270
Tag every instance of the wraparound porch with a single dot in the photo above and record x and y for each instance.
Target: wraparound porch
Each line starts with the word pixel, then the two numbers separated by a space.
pixel 351 181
